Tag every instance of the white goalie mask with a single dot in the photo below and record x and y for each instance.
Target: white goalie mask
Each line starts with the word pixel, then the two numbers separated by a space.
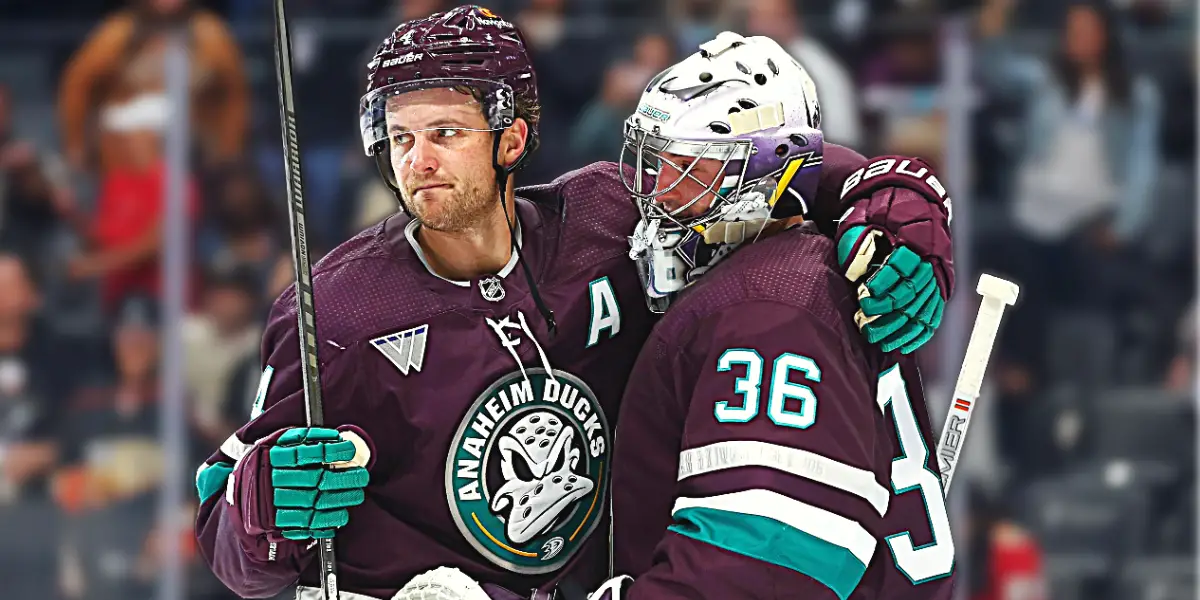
pixel 719 144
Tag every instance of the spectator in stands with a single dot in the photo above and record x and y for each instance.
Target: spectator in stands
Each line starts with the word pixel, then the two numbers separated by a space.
pixel 243 228
pixel 1091 143
pixel 124 239
pixel 32 385
pixel 110 424
pixel 113 465
pixel 244 377
pixel 1006 560
pixel 1089 151
pixel 779 20
pixel 118 76
pixel 224 333
pixel 34 204
pixel 598 134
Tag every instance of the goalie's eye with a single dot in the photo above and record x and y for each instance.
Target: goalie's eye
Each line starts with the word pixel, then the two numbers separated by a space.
pixel 445 132
pixel 680 163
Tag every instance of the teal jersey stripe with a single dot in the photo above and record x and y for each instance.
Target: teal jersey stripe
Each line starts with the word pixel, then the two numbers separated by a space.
pixel 211 479
pixel 777 543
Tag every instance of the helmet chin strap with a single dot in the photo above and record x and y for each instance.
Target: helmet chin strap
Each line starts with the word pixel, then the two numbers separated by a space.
pixel 502 173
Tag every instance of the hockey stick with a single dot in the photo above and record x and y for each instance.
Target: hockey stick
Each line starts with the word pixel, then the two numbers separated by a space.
pixel 305 315
pixel 997 293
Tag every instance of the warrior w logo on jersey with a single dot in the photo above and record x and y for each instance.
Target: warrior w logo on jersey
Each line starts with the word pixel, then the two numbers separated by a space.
pixel 526 475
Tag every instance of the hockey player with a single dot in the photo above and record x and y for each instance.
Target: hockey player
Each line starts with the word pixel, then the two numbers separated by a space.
pixel 473 350
pixel 764 449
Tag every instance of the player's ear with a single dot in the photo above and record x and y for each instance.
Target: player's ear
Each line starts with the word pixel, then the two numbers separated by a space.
pixel 513 141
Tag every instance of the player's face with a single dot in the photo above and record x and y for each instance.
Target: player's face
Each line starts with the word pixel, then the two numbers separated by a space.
pixel 444 170
pixel 698 182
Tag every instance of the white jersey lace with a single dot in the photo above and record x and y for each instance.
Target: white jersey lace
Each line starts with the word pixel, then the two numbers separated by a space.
pixel 510 343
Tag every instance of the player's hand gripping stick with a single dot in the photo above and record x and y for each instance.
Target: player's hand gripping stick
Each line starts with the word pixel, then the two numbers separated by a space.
pixel 317 475
pixel 997 293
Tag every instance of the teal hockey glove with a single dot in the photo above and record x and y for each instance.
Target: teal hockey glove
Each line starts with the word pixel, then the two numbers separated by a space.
pixel 901 303
pixel 299 483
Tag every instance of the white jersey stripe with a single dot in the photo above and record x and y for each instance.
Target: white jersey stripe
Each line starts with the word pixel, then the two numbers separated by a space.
pixel 801 463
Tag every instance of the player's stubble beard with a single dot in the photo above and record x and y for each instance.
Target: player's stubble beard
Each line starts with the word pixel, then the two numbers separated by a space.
pixel 469 204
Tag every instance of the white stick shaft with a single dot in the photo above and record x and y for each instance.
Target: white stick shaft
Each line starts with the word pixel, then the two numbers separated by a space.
pixel 966 390
pixel 979 348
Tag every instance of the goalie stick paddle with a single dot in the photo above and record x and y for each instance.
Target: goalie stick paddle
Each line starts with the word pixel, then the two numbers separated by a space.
pixel 997 293
pixel 305 314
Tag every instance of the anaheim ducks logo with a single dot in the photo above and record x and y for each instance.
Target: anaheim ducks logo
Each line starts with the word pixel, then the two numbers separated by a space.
pixel 527 472
pixel 488 13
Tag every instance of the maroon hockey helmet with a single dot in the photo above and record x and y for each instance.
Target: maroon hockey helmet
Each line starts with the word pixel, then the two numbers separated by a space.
pixel 467 47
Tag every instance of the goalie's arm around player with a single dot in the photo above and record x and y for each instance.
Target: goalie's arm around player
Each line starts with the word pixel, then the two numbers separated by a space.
pixel 273 487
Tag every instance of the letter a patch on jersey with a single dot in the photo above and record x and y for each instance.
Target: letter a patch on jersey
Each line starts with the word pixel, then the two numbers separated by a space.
pixel 406 349
pixel 606 313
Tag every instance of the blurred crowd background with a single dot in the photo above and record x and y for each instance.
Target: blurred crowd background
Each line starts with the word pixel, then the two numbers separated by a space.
pixel 1066 131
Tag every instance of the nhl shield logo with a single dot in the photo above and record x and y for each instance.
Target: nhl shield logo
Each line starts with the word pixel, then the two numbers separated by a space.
pixel 527 472
pixel 491 288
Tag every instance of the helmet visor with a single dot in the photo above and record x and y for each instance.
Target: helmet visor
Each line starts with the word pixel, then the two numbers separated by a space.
pixel 391 115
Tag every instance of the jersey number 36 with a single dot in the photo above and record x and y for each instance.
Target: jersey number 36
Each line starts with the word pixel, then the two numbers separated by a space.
pixel 910 471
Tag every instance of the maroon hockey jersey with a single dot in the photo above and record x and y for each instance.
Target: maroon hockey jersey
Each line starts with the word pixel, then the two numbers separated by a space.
pixel 765 450
pixel 483 461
